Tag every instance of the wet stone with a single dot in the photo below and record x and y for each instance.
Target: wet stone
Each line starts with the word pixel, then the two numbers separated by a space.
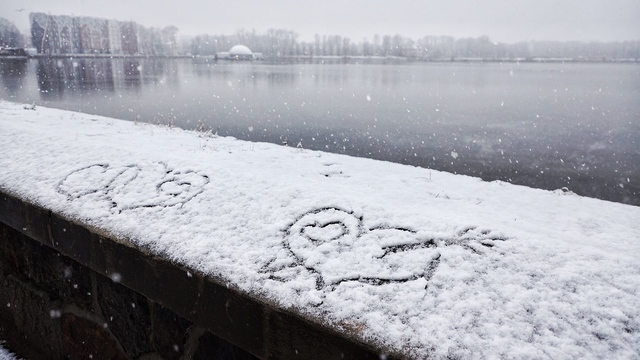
pixel 12 252
pixel 212 347
pixel 169 333
pixel 84 339
pixel 28 312
pixel 127 314
pixel 58 275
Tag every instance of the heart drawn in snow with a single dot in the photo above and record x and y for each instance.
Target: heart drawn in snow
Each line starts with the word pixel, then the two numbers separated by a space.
pixel 129 187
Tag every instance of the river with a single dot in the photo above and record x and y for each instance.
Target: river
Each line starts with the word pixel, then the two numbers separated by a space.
pixel 548 126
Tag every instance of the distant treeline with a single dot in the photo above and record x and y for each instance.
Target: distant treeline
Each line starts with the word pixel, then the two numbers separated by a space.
pixel 280 42
pixel 93 35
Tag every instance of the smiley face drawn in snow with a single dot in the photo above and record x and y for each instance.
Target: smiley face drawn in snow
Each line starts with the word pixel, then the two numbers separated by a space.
pixel 335 246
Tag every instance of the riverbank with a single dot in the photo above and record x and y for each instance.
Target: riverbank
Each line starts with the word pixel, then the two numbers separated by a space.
pixel 354 59
pixel 415 262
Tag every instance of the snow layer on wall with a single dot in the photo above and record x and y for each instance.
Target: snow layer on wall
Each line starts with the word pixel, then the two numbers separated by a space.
pixel 419 261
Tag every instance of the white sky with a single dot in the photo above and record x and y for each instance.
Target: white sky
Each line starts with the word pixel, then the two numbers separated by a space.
pixel 501 20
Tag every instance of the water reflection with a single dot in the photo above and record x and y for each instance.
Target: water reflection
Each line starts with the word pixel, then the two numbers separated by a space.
pixel 130 73
pixel 242 74
pixel 61 78
pixel 12 74
pixel 69 78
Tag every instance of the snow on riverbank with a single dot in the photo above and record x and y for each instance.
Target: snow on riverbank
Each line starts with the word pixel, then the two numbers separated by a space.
pixel 420 261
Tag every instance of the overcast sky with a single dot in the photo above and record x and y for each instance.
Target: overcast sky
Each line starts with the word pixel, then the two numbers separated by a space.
pixel 502 20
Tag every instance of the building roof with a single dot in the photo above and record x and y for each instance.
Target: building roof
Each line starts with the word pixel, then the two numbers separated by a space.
pixel 240 50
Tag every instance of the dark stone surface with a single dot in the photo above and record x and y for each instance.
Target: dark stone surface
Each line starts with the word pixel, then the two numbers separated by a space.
pixel 11 211
pixel 26 320
pixel 127 314
pixel 232 316
pixel 158 279
pixel 36 223
pixel 61 277
pixel 71 240
pixel 29 219
pixel 84 339
pixel 214 348
pixel 169 333
pixel 57 275
pixel 294 337
pixel 12 252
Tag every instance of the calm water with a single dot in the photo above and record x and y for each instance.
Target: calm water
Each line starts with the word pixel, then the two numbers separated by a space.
pixel 542 125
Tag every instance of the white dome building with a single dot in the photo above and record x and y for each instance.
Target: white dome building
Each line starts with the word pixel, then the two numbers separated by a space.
pixel 240 52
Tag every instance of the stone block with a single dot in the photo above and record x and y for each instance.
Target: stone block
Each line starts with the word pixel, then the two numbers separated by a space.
pixel 27 321
pixel 12 254
pixel 127 314
pixel 71 239
pixel 58 275
pixel 64 279
pixel 84 339
pixel 233 316
pixel 213 347
pixel 156 278
pixel 28 219
pixel 11 210
pixel 169 333
pixel 291 335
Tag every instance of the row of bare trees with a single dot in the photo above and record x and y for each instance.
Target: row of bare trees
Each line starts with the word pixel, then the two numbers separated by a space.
pixel 282 43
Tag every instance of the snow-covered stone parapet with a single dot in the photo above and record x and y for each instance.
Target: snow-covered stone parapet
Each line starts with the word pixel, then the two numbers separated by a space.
pixel 415 262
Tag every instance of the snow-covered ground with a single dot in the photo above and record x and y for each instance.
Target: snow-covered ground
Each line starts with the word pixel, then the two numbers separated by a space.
pixel 420 261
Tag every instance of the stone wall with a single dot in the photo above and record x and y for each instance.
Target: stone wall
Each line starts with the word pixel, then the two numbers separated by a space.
pixel 68 291
pixel 53 307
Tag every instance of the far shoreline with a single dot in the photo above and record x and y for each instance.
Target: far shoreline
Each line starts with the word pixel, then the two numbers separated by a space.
pixel 395 59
